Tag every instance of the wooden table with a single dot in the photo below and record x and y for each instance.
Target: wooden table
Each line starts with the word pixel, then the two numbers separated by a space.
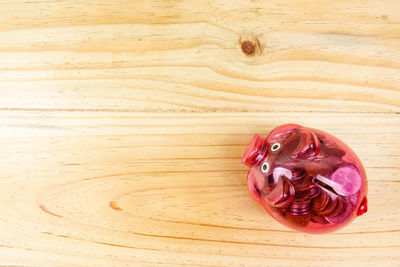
pixel 122 126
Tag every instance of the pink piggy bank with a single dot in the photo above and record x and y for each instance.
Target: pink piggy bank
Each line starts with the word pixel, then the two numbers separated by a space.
pixel 306 179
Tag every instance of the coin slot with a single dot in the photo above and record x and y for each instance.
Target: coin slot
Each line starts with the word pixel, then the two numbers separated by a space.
pixel 328 188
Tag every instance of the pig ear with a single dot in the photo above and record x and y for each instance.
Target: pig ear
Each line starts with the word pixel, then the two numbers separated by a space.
pixel 308 144
pixel 283 130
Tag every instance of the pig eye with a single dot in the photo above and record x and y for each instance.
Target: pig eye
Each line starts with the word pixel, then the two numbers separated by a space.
pixel 265 167
pixel 275 147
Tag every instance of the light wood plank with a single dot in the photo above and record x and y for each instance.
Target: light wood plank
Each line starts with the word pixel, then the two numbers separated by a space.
pixel 170 188
pixel 339 57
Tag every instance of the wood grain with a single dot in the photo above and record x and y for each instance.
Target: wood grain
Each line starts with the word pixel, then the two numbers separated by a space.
pixel 122 126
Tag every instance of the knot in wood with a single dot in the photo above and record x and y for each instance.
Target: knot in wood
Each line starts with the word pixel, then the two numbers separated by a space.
pixel 250 46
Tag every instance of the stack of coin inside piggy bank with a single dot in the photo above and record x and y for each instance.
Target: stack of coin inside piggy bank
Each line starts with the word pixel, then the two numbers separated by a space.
pixel 305 178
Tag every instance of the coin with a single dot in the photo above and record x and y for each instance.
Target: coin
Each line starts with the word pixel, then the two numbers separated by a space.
pixel 329 208
pixel 348 179
pixel 301 196
pixel 338 207
pixel 298 220
pixel 297 174
pixel 303 184
pixel 299 208
pixel 319 219
pixel 320 202
pixel 314 191
pixel 343 215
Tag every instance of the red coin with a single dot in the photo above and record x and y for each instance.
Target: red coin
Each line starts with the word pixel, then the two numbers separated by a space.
pixel 319 219
pixel 344 214
pixel 299 220
pixel 320 202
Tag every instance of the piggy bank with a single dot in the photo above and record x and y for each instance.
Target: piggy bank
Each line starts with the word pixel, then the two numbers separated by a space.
pixel 306 179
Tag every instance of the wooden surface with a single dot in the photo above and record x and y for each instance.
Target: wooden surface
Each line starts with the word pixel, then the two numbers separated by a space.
pixel 122 125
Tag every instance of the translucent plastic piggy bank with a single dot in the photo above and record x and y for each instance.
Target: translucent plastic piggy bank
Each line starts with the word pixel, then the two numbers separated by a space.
pixel 306 179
